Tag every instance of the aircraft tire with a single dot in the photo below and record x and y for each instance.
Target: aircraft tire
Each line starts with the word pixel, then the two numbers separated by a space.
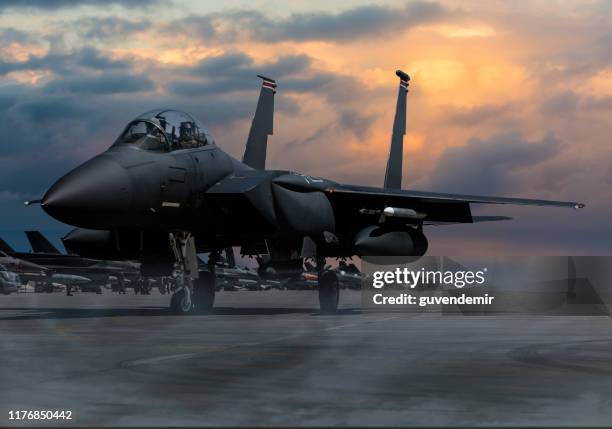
pixel 204 292
pixel 329 292
pixel 179 304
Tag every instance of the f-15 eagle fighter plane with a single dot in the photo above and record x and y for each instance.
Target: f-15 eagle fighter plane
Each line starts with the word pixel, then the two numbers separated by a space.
pixel 165 191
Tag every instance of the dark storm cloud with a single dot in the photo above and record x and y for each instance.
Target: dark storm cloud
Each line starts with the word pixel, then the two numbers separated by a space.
pixel 93 58
pixel 8 95
pixel 476 115
pixel 10 35
pixel 348 25
pixel 568 102
pixel 351 24
pixel 236 71
pixel 237 65
pixel 490 166
pixel 588 58
pixel 311 83
pixel 52 61
pixel 40 174
pixel 60 4
pixel 309 139
pixel 356 122
pixel 597 103
pixel 42 111
pixel 115 83
pixel 46 133
pixel 560 104
pixel 198 89
pixel 228 62
pixel 63 62
pixel 600 54
pixel 111 27
pixel 75 107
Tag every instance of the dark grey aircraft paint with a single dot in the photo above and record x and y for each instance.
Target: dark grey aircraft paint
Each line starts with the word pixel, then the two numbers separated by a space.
pixel 164 189
pixel 393 173
pixel 262 126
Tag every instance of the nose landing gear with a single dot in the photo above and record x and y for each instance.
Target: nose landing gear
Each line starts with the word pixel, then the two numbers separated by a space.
pixel 196 290
pixel 181 302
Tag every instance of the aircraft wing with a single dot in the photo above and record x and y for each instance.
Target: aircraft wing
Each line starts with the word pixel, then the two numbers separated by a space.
pixel 437 207
pixel 475 219
pixel 434 197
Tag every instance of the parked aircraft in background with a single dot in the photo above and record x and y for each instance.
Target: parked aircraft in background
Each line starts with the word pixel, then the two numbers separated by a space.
pixel 85 272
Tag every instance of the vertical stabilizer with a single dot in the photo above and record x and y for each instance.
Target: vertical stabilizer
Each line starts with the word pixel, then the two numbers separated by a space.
pixel 393 174
pixel 40 244
pixel 261 127
pixel 5 247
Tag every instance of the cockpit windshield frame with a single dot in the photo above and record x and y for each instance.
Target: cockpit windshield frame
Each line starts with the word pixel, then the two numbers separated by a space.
pixel 166 130
pixel 144 134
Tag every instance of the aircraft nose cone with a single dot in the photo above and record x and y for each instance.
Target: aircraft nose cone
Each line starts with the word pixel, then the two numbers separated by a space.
pixel 100 187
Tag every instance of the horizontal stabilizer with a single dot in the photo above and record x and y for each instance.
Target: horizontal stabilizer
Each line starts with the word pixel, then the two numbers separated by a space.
pixel 261 127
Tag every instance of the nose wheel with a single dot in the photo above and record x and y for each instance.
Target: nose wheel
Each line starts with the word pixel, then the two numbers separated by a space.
pixel 181 302
pixel 196 289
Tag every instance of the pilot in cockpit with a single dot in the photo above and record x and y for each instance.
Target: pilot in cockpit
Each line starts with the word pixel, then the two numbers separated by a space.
pixel 145 135
pixel 163 131
pixel 187 135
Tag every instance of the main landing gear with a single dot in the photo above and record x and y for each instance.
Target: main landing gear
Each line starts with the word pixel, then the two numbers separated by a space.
pixel 329 288
pixel 196 290
pixel 204 292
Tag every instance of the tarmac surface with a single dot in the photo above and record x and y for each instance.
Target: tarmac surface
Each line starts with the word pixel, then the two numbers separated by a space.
pixel 269 358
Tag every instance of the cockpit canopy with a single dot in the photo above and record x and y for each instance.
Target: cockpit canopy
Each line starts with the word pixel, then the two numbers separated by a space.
pixel 163 131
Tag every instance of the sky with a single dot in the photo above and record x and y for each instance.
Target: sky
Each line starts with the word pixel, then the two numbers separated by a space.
pixel 506 98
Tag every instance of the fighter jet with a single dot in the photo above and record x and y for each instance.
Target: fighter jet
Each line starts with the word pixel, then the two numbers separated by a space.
pixel 74 269
pixel 165 191
pixel 43 277
pixel 26 270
